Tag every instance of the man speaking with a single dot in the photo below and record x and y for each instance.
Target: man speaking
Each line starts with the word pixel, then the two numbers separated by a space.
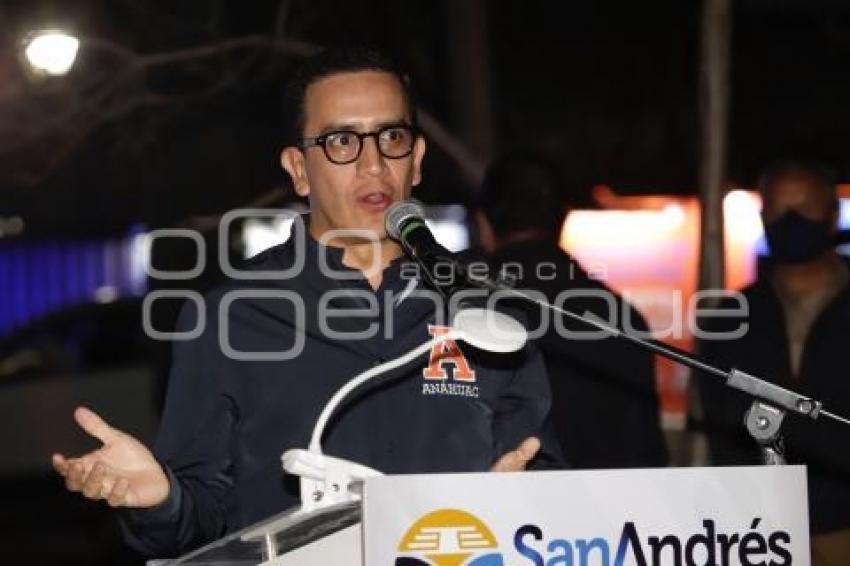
pixel 342 304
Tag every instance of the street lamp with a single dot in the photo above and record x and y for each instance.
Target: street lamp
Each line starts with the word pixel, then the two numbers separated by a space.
pixel 51 52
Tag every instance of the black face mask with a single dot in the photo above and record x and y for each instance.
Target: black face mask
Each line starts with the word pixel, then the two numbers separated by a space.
pixel 793 238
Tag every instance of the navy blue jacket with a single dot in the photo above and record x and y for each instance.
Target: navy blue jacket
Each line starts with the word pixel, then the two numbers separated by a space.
pixel 227 421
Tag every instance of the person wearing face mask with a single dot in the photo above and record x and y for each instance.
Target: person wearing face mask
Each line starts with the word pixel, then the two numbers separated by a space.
pixel 798 336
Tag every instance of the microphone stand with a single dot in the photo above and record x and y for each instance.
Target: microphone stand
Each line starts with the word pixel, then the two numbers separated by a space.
pixel 770 402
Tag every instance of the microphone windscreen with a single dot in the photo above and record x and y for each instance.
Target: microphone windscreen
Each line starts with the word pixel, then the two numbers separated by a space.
pixel 400 211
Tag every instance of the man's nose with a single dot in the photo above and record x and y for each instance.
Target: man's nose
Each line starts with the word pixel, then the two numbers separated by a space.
pixel 370 161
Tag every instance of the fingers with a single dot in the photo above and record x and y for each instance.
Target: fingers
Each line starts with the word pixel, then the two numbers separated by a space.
pixel 517 459
pixel 528 449
pixel 88 474
pixel 75 476
pixel 91 422
pixel 60 464
pixel 96 482
pixel 120 494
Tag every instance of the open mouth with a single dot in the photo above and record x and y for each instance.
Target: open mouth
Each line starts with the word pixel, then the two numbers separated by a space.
pixel 376 201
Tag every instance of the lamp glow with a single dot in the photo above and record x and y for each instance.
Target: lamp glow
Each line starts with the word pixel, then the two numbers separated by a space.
pixel 52 52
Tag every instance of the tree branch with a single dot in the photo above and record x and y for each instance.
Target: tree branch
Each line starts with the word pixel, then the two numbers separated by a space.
pixel 26 119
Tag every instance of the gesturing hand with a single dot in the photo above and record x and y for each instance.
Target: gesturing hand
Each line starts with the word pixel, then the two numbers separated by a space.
pixel 122 471
pixel 517 459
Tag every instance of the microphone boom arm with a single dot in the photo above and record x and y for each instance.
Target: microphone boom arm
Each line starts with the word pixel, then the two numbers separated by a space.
pixel 770 401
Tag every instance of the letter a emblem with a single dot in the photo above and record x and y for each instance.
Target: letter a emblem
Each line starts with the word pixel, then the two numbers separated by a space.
pixel 447 353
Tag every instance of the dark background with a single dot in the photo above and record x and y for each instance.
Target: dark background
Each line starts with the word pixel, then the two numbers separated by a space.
pixel 608 89
pixel 146 130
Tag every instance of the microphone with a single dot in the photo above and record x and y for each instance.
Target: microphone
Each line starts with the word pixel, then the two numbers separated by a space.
pixel 484 328
pixel 405 223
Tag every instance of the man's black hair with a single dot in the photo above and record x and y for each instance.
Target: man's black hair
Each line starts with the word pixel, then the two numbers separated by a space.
pixel 824 177
pixel 332 61
pixel 523 192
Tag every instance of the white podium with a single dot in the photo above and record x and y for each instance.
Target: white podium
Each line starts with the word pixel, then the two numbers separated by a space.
pixel 702 516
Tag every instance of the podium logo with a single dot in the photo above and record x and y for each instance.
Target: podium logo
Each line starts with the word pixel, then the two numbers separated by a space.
pixel 449 537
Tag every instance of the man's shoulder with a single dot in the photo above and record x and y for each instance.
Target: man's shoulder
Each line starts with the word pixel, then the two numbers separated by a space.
pixel 276 258
pixel 274 269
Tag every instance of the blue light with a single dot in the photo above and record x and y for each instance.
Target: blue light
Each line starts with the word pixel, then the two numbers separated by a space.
pixel 54 276
pixel 20 277
pixel 37 266
pixel 844 214
pixel 5 291
pixel 38 278
pixel 90 270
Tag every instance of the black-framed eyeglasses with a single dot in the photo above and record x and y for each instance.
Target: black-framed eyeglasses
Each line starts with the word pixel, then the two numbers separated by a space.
pixel 345 146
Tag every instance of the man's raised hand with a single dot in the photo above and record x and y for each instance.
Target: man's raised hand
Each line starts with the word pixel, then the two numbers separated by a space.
pixel 122 471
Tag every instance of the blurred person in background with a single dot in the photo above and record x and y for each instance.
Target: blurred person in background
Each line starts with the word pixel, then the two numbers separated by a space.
pixel 798 337
pixel 605 406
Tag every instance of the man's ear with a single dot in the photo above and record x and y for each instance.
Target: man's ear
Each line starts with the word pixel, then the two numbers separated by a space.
pixel 419 147
pixel 292 160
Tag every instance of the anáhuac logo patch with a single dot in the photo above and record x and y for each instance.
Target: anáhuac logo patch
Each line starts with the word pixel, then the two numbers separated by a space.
pixel 448 371
pixel 449 537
